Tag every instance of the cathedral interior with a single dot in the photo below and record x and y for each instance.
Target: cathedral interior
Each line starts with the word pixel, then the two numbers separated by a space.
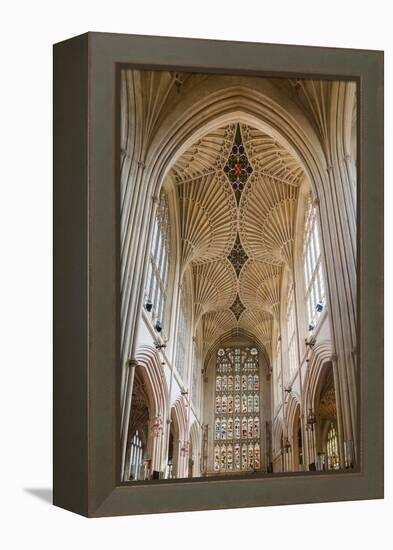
pixel 238 275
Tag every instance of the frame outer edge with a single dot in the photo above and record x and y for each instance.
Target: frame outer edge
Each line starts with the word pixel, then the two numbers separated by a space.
pixel 106 497
pixel 70 272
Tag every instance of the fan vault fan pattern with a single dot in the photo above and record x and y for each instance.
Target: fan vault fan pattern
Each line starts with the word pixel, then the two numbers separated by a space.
pixel 238 190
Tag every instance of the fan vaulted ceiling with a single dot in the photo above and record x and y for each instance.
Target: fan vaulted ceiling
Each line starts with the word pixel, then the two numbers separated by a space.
pixel 237 190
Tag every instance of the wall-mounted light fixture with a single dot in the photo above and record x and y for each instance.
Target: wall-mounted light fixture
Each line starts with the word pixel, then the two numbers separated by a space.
pixel 148 304
pixel 310 342
pixel 160 345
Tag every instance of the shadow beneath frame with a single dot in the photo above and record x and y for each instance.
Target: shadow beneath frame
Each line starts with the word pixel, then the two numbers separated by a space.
pixel 44 494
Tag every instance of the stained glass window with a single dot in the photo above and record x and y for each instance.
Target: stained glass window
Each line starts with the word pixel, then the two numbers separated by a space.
pixel 277 377
pixel 237 256
pixel 217 458
pixel 237 428
pixel 313 276
pixel 230 428
pixel 332 448
pixel 237 307
pixel 238 168
pixel 157 278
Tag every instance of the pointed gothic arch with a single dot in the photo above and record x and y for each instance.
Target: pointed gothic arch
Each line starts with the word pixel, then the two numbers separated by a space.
pixel 151 372
pixel 179 421
pixel 195 450
pixel 278 444
pixel 296 435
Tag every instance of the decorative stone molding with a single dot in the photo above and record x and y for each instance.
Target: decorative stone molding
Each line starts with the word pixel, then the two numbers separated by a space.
pixel 215 287
pixel 207 219
pixel 260 286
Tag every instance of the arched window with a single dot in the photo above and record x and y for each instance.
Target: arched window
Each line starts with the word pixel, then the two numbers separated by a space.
pixel 195 378
pixel 332 448
pixel 300 444
pixel 182 337
pixel 157 278
pixel 137 470
pixel 169 472
pixel 237 426
pixel 277 376
pixel 291 333
pixel 313 276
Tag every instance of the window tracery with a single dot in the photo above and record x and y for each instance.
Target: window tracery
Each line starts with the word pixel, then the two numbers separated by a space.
pixel 237 428
pixel 137 469
pixel 158 271
pixel 195 379
pixel 332 448
pixel 313 275
pixel 291 333
pixel 277 376
pixel 182 337
pixel 238 168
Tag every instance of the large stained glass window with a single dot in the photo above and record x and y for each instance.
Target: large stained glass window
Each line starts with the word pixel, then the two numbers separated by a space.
pixel 237 425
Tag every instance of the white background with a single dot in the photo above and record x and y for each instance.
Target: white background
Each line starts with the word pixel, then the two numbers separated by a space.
pixel 28 30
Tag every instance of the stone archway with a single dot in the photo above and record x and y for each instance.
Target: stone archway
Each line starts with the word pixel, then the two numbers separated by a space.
pixel 297 442
pixel 278 447
pixel 148 405
pixel 138 461
pixel 195 451
pixel 180 438
pixel 326 417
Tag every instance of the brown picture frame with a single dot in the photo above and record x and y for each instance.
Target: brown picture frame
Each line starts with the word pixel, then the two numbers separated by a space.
pixel 86 263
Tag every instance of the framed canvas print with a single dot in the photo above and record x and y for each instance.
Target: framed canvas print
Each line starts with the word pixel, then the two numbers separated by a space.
pixel 218 261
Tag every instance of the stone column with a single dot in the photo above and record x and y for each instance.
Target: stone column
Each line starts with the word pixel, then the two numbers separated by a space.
pixel 342 415
pixel 132 364
pixel 157 429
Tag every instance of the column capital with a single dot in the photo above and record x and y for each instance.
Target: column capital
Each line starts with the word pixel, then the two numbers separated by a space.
pixel 132 363
pixel 315 201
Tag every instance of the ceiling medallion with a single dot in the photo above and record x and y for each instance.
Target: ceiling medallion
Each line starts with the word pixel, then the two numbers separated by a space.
pixel 237 307
pixel 238 167
pixel 237 255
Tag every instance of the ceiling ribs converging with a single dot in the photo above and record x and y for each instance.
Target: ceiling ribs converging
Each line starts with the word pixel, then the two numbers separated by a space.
pixel 238 190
